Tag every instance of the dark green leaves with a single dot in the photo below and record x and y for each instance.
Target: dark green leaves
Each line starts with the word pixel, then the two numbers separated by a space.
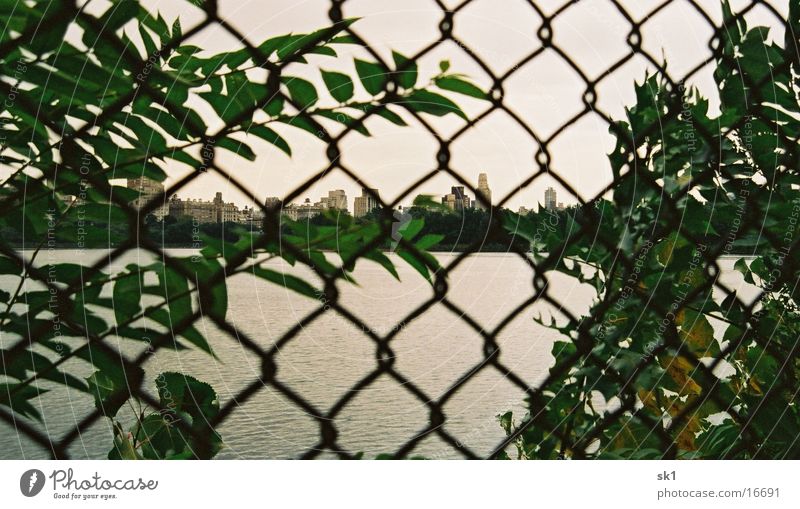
pixel 424 101
pixel 112 383
pixel 183 394
pixel 181 429
pixel 118 14
pixel 104 386
pixel 339 85
pixel 288 281
pixel 127 293
pixel 406 70
pixel 301 91
pixel 372 76
pixel 456 84
pixel 267 134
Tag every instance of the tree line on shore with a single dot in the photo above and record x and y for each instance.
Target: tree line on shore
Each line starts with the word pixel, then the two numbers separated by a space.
pixel 460 230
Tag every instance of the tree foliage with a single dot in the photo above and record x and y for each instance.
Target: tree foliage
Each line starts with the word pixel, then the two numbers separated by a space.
pixel 669 362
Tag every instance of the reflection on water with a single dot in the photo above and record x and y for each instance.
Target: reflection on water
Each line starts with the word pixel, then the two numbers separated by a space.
pixel 327 358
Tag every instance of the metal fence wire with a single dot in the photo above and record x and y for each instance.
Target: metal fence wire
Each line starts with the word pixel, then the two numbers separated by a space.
pixel 326 418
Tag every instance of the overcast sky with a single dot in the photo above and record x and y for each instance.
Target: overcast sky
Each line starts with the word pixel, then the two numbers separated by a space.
pixel 545 92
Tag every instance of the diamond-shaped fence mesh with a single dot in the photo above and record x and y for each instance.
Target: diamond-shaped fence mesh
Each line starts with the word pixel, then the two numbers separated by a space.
pixel 145 84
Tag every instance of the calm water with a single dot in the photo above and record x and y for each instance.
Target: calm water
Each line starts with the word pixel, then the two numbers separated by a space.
pixel 331 355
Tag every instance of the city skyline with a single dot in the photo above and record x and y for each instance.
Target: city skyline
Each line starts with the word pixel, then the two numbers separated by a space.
pixel 545 91
pixel 220 211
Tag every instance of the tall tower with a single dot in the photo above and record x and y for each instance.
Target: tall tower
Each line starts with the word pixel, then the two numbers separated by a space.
pixel 550 202
pixel 461 198
pixel 337 199
pixel 484 191
pixel 364 204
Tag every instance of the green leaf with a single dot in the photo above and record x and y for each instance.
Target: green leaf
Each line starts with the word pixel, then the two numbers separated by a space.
pixel 339 85
pixel 384 261
pixel 287 280
pixel 741 266
pixel 406 70
pixel 186 403
pixel 158 438
pixel 126 295
pixel 429 102
pixel 103 386
pixel 301 91
pixel 418 264
pixel 428 241
pixel 214 298
pixel 391 116
pixel 119 14
pixel 175 290
pixel 267 134
pixel 182 393
pixel 239 148
pixel 111 384
pixel 454 84
pixel 372 76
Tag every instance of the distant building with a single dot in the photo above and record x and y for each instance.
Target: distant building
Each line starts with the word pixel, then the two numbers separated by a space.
pixel 457 199
pixel 148 189
pixel 253 217
pixel 484 191
pixel 337 199
pixel 203 211
pixel 524 211
pixel 550 201
pixel 306 210
pixel 366 203
pixel 225 212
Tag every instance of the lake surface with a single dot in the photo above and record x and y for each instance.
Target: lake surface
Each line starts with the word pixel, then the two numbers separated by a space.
pixel 324 361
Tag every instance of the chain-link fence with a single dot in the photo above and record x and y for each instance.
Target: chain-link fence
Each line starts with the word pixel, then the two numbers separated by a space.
pixel 67 144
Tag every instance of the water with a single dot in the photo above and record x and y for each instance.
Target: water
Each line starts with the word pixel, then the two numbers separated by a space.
pixel 328 357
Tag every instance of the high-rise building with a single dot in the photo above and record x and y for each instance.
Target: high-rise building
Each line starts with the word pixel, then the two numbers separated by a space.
pixel 457 199
pixel 366 203
pixel 148 190
pixel 337 199
pixel 225 212
pixel 484 191
pixel 550 202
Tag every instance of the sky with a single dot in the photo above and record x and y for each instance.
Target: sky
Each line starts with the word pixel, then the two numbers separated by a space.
pixel 544 93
